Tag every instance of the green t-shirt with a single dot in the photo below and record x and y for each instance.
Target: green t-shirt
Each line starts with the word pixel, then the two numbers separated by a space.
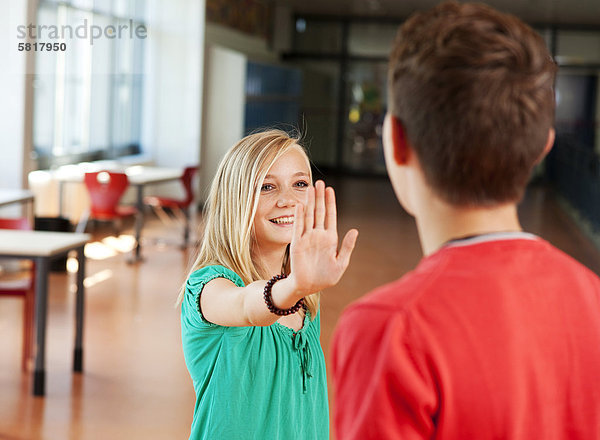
pixel 252 382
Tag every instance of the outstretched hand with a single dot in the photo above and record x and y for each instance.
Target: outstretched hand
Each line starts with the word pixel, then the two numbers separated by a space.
pixel 315 261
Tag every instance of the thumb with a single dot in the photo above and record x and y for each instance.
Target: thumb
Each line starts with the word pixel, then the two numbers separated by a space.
pixel 347 247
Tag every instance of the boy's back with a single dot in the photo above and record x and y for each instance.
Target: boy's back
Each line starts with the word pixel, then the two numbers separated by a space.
pixel 494 336
pixel 483 340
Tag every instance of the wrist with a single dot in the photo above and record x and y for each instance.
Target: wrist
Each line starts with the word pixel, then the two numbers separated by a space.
pixel 280 296
pixel 293 288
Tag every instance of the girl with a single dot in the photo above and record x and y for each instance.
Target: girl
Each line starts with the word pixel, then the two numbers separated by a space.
pixel 252 345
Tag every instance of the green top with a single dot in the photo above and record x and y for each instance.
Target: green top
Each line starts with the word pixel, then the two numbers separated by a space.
pixel 252 382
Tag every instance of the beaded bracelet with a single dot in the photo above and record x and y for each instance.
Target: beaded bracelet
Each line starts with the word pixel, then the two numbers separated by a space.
pixel 269 299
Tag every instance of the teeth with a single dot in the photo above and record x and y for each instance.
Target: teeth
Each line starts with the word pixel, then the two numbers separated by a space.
pixel 283 220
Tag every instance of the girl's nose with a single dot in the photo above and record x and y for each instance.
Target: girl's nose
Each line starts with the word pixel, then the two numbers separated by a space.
pixel 286 198
pixel 283 202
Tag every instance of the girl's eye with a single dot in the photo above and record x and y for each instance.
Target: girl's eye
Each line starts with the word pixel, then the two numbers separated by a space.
pixel 301 184
pixel 266 187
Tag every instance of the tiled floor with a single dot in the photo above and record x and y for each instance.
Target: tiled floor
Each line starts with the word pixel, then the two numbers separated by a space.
pixel 135 384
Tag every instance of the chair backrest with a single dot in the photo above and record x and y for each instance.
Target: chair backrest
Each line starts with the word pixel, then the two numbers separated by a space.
pixel 21 223
pixel 15 223
pixel 186 179
pixel 106 189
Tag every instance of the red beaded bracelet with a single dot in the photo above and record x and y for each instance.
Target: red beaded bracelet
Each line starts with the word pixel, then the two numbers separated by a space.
pixel 269 299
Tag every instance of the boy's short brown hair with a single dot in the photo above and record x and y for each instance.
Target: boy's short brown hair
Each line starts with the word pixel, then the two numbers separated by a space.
pixel 473 88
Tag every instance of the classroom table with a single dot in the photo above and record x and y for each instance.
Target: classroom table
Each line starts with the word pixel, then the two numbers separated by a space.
pixel 139 176
pixel 42 247
pixel 14 196
pixel 10 196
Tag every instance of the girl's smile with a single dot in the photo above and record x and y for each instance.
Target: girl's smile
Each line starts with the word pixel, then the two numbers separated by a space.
pixel 284 186
pixel 283 221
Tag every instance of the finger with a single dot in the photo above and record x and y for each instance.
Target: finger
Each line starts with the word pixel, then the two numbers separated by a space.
pixel 298 226
pixel 347 247
pixel 320 204
pixel 309 212
pixel 331 211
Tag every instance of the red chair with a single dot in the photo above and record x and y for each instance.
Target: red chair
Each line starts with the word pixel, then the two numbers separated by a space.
pixel 106 189
pixel 177 206
pixel 24 288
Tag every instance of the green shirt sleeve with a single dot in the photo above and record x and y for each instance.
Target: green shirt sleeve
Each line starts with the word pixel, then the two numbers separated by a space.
pixel 193 288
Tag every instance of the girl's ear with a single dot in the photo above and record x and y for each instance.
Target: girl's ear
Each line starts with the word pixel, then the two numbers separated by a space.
pixel 399 141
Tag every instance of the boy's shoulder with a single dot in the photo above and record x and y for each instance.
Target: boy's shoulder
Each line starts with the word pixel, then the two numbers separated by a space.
pixel 469 267
pixel 403 293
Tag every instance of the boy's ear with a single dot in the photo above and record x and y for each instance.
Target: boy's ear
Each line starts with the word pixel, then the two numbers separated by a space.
pixel 550 141
pixel 548 146
pixel 399 141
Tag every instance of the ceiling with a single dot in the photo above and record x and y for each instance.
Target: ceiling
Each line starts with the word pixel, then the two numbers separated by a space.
pixel 574 12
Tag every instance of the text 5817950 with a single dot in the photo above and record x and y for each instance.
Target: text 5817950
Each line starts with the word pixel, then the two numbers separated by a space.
pixel 39 47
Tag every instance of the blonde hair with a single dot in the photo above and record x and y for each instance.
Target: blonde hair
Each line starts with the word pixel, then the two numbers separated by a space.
pixel 231 206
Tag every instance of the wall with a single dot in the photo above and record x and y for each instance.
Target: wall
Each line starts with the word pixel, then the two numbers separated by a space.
pixel 172 95
pixel 254 48
pixel 12 91
pixel 224 97
pixel 226 53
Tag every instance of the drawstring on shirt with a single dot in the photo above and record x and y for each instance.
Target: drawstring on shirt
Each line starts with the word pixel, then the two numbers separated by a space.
pixel 300 344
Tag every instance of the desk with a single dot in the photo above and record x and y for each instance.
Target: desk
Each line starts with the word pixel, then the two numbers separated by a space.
pixel 42 247
pixel 138 175
pixel 9 196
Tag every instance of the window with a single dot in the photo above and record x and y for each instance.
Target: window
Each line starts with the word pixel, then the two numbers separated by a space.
pixel 319 110
pixel 87 97
pixel 578 47
pixel 371 39
pixel 366 87
pixel 317 36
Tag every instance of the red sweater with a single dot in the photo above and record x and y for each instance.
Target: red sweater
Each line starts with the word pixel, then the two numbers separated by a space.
pixel 485 339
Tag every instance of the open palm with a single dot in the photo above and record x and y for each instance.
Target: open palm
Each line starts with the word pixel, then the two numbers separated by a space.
pixel 315 261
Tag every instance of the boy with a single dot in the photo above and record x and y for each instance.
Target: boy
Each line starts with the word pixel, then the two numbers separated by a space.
pixel 496 334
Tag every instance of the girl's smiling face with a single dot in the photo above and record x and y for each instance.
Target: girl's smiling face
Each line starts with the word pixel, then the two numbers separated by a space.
pixel 283 187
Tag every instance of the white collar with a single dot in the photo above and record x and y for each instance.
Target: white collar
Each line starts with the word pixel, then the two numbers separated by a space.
pixel 492 236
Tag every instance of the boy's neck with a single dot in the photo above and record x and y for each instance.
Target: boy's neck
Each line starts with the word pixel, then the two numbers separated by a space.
pixel 440 222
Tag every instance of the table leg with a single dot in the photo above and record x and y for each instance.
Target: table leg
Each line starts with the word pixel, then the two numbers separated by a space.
pixel 41 308
pixel 83 221
pixel 139 223
pixel 60 198
pixel 30 211
pixel 79 311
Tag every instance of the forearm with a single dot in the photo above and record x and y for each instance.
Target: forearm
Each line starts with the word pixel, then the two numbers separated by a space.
pixel 284 294
pixel 223 303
